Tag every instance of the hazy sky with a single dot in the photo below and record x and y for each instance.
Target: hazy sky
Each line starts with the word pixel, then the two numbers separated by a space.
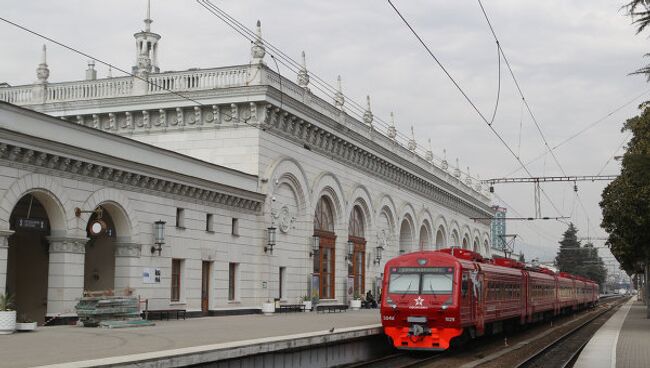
pixel 571 58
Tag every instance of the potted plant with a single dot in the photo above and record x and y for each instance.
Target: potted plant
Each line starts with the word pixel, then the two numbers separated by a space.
pixel 306 300
pixel 268 308
pixel 25 323
pixel 7 315
pixel 355 303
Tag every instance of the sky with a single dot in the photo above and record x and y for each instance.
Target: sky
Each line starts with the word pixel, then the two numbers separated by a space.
pixel 571 59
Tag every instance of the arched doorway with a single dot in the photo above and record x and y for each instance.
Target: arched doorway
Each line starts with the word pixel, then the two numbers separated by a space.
pixel 424 237
pixel 357 244
pixel 99 260
pixel 405 236
pixel 476 246
pixel 465 243
pixel 455 240
pixel 441 238
pixel 28 258
pixel 486 247
pixel 324 260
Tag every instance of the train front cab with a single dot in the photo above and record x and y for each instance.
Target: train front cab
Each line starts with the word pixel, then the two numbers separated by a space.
pixel 426 297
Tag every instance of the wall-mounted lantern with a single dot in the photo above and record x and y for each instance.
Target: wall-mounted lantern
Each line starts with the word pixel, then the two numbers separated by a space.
pixel 315 245
pixel 378 250
pixel 271 233
pixel 158 236
pixel 349 251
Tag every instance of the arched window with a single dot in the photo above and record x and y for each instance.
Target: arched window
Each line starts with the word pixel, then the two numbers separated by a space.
pixel 357 258
pixel 405 236
pixel 324 261
pixel 441 238
pixel 424 237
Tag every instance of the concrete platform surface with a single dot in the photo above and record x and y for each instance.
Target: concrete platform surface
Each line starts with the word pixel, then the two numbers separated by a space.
pixel 62 344
pixel 622 342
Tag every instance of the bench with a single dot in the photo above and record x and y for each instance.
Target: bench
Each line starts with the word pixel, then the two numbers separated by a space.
pixel 286 308
pixel 163 314
pixel 331 308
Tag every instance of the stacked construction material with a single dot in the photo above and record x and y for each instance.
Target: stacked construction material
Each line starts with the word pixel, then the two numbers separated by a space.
pixel 109 311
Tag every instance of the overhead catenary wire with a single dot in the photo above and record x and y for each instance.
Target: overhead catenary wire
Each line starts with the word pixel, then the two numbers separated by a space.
pixel 613 155
pixel 469 100
pixel 293 66
pixel 583 130
pixel 528 108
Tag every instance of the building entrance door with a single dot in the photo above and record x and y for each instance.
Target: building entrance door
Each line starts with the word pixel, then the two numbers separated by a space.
pixel 205 288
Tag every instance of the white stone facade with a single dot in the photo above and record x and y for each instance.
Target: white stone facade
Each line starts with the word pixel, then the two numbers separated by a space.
pixel 295 148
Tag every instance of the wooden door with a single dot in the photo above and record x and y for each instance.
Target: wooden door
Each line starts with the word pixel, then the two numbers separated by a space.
pixel 205 288
pixel 327 257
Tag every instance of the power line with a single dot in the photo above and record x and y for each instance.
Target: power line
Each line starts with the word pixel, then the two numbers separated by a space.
pixel 625 139
pixel 521 93
pixel 469 100
pixel 583 130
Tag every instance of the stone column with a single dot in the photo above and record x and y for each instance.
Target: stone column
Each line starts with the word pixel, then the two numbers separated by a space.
pixel 127 265
pixel 65 275
pixel 4 252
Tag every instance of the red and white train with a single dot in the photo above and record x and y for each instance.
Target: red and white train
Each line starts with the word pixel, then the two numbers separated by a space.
pixel 430 298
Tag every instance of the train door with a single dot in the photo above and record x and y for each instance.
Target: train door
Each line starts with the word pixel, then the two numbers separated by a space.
pixel 478 302
pixel 466 300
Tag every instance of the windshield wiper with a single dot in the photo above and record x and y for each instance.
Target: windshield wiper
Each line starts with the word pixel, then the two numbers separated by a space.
pixel 407 290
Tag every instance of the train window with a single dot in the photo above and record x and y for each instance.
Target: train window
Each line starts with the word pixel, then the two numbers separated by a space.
pixel 464 285
pixel 404 283
pixel 433 283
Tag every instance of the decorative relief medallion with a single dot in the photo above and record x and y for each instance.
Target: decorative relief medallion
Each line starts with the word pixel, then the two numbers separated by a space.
pixel 285 219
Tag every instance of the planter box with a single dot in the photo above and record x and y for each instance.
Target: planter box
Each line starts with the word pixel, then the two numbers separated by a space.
pixel 355 304
pixel 7 322
pixel 307 306
pixel 268 308
pixel 25 326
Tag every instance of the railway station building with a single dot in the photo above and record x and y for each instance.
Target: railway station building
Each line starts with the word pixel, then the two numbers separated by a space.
pixel 212 190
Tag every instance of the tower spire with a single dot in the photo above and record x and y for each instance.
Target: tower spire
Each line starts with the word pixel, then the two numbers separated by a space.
pixel 367 115
pixel 147 20
pixel 146 48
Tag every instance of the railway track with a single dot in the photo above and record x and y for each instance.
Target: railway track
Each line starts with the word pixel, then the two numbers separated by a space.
pixel 401 360
pixel 564 350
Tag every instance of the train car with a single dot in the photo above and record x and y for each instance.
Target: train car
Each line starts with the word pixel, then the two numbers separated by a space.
pixel 432 298
pixel 505 293
pixel 428 299
pixel 566 290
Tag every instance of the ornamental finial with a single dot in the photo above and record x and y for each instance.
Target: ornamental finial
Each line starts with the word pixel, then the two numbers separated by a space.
pixel 339 99
pixel 258 51
pixel 367 116
pixel 444 164
pixel 42 72
pixel 412 143
pixel 429 154
pixel 303 76
pixel 392 131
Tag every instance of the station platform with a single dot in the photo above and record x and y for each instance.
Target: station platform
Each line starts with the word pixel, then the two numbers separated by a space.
pixel 622 342
pixel 182 341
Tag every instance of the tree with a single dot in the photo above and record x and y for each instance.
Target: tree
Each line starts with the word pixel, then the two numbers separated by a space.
pixel 579 260
pixel 626 200
pixel 639 11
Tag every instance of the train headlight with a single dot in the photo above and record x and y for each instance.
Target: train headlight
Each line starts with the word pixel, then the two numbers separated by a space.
pixel 444 307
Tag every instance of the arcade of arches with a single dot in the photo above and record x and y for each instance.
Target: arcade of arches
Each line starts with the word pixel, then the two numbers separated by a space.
pixel 29 271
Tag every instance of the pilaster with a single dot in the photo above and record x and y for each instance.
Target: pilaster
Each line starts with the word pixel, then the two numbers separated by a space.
pixel 4 251
pixel 127 265
pixel 65 274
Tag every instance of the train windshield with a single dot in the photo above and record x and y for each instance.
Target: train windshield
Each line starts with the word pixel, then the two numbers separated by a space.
pixel 421 280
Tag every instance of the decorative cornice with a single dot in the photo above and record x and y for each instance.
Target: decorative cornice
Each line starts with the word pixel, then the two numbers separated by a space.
pixel 342 147
pixel 17 156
